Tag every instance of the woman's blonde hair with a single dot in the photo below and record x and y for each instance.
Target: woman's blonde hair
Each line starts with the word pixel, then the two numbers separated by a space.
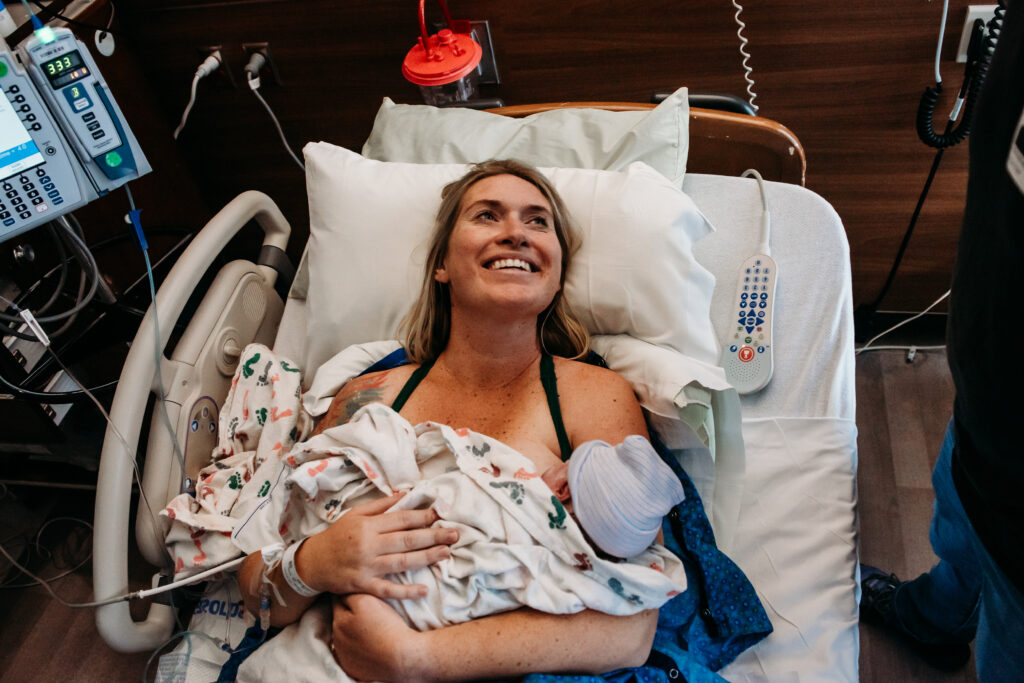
pixel 428 324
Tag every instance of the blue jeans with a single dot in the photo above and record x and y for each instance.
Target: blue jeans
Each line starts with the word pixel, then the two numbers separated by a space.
pixel 965 596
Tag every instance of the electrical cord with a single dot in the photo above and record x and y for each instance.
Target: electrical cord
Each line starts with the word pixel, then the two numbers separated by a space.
pixel 747 69
pixel 252 75
pixel 93 271
pixel 979 54
pixel 48 554
pixel 867 345
pixel 207 67
pixel 256 62
pixel 75 22
pixel 62 264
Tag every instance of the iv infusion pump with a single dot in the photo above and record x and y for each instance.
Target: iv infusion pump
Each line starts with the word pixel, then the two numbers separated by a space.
pixel 63 139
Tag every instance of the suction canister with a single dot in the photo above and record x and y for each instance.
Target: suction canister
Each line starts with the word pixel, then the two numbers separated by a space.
pixel 444 65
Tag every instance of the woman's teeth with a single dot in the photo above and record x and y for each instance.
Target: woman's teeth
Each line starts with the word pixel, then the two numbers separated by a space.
pixel 510 263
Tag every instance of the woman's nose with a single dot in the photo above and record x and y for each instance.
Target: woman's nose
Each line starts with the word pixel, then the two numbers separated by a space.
pixel 513 231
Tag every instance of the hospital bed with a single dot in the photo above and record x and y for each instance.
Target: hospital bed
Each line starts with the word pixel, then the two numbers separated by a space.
pixel 784 507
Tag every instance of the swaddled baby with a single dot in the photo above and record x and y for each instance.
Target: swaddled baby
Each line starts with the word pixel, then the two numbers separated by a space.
pixel 618 494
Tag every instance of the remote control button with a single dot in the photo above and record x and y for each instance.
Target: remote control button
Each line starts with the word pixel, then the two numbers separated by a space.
pixel 747 340
pixel 760 349
pixel 746 354
pixel 733 348
pixel 744 295
pixel 763 304
pixel 764 295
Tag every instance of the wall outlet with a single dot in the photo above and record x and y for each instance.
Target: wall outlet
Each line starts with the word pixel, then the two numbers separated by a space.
pixel 983 12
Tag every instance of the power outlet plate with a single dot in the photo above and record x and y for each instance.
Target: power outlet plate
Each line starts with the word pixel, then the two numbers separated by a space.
pixel 974 12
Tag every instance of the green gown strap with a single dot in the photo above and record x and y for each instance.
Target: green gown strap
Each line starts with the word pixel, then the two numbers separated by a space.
pixel 410 385
pixel 550 384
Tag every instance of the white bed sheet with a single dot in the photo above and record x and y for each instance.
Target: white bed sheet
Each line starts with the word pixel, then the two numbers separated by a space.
pixel 796 534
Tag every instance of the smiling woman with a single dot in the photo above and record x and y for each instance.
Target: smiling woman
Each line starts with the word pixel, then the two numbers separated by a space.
pixel 491 341
pixel 493 196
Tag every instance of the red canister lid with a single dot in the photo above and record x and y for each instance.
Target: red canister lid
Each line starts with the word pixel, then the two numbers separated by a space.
pixel 442 58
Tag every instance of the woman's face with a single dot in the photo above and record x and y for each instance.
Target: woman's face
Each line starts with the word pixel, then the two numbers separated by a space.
pixel 503 253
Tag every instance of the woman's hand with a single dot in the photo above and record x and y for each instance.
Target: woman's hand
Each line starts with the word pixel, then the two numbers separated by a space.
pixel 372 642
pixel 366 543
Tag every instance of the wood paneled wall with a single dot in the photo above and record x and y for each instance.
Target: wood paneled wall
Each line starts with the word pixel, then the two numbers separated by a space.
pixel 845 77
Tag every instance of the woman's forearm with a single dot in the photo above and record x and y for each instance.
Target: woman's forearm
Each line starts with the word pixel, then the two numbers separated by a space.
pixel 250 583
pixel 527 641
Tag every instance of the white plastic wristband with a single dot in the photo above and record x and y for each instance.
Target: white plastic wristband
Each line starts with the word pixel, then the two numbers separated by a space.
pixel 291 574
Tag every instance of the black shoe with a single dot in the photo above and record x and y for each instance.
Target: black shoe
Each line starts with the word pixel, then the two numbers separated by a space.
pixel 876 607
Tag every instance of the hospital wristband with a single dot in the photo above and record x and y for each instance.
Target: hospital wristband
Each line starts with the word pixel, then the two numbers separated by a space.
pixel 291 574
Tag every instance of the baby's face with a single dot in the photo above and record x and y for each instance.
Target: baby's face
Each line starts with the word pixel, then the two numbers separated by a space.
pixel 557 479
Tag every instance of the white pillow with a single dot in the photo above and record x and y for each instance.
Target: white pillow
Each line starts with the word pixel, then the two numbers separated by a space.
pixel 574 138
pixel 370 223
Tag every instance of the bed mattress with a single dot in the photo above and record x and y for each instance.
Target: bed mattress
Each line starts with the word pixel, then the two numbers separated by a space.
pixel 795 538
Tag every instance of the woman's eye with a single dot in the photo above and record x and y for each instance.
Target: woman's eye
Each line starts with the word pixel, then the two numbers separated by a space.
pixel 486 215
pixel 539 220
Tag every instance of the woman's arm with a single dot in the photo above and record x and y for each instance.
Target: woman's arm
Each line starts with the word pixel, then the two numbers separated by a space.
pixel 372 642
pixel 597 403
pixel 352 556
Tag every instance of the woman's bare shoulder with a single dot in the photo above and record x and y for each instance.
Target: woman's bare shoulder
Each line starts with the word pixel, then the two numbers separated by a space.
pixel 374 387
pixel 597 403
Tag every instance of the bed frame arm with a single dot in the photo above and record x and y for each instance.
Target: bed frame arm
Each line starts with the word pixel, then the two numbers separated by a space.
pixel 114 482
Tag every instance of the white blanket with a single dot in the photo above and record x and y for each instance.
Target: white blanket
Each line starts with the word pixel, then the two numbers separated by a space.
pixel 517 546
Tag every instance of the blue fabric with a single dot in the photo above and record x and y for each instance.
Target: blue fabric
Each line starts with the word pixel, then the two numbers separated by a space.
pixel 702 629
pixel 965 596
pixel 942 605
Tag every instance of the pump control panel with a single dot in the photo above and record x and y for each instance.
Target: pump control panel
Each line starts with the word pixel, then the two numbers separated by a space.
pixel 63 140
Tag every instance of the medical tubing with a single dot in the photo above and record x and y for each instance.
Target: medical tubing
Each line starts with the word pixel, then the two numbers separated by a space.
pixel 110 423
pixel 747 69
pixel 158 356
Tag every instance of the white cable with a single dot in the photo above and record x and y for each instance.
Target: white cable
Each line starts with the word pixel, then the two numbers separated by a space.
pixel 901 324
pixel 746 55
pixel 209 65
pixel 766 220
pixel 938 48
pixel 894 347
pixel 223 567
pixel 254 84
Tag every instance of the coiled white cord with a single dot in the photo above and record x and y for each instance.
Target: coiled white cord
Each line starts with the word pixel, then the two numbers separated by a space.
pixel 748 70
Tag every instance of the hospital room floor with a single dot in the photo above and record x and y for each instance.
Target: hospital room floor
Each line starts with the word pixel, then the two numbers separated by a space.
pixel 902 411
pixel 901 414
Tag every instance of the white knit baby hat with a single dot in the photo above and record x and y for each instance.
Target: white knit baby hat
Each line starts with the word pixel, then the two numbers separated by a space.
pixel 620 494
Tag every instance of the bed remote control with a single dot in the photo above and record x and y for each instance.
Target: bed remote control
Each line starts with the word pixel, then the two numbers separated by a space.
pixel 747 351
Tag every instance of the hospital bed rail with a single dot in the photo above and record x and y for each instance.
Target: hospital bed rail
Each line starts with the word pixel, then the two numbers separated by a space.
pixel 240 306
pixel 720 142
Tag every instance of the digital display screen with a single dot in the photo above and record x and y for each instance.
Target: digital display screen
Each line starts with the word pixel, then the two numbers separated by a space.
pixel 65 69
pixel 17 149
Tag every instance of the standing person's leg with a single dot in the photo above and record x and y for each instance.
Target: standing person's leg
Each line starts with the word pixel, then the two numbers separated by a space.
pixel 998 650
pixel 937 612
